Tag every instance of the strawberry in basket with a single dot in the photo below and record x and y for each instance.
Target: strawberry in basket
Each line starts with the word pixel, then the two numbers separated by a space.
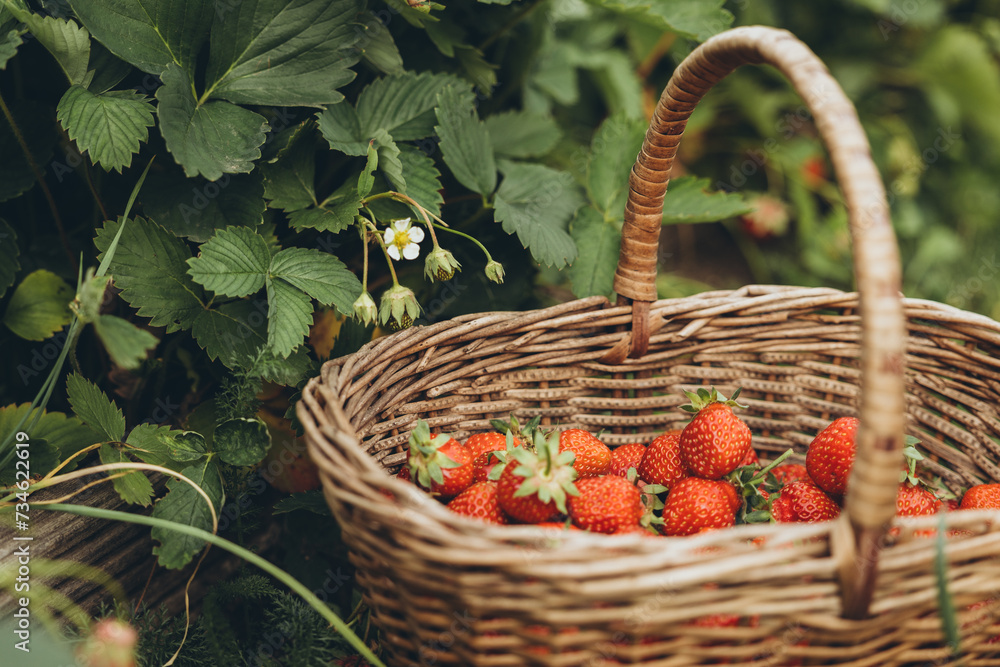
pixel 438 463
pixel 715 441
pixel 534 485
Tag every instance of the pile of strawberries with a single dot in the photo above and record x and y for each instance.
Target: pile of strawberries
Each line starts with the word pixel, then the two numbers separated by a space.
pixel 704 477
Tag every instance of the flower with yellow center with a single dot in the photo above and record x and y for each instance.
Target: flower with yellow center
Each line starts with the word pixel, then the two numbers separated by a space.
pixel 401 240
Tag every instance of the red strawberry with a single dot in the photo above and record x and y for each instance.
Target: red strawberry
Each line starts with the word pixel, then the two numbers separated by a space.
pixel 751 459
pixel 808 503
pixel 715 440
pixel 781 509
pixel 482 448
pixel 479 501
pixel 733 495
pixel 716 621
pixel 404 474
pixel 695 505
pixel 534 484
pixel 625 457
pixel 438 463
pixel 638 529
pixel 791 472
pixel 768 219
pixel 951 504
pixel 915 500
pixel 606 504
pixel 662 462
pixel 556 525
pixel 831 455
pixel 982 496
pixel 593 458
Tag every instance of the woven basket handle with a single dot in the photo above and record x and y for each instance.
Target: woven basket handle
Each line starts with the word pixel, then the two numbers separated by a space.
pixel 871 501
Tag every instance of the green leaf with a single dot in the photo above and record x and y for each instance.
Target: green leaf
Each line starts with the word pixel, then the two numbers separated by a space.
pixel 341 127
pixel 404 105
pixel 695 19
pixel 94 408
pixel 598 242
pixel 9 264
pixel 133 487
pixel 289 316
pixel 39 306
pixel 161 446
pixel 109 127
pixel 388 160
pixel 950 627
pixel 54 438
pixel 184 505
pixel 334 217
pixel 150 268
pixel 209 139
pixel 289 371
pixel 289 177
pixel 10 37
pixel 150 34
pixel 196 208
pixel 241 442
pixel 522 134
pixel 126 343
pixel 423 180
pixel 366 180
pixel 612 153
pixel 68 43
pixel 615 75
pixel 465 143
pixel 284 53
pixel 378 48
pixel 318 274
pixel 232 263
pixel 108 69
pixel 537 202
pixel 34 121
pixel 312 501
pixel 477 69
pixel 233 332
pixel 688 200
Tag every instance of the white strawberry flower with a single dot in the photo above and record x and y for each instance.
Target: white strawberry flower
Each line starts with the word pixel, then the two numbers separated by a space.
pixel 402 240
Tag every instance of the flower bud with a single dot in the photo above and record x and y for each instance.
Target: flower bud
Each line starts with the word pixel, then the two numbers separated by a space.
pixel 111 644
pixel 399 307
pixel 494 271
pixel 440 265
pixel 365 309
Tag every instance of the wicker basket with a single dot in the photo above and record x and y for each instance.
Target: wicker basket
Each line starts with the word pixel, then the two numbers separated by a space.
pixel 447 590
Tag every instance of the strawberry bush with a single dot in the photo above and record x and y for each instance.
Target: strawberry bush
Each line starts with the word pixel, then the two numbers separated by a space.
pixel 203 200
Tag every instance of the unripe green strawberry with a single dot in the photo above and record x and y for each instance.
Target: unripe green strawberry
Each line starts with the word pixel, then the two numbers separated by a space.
pixel 830 456
pixel 606 504
pixel 593 458
pixel 715 441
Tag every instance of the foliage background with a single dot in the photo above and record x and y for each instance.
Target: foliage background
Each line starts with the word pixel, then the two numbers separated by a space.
pixel 516 122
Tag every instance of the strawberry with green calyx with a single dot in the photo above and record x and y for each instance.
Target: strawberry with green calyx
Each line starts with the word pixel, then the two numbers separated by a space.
pixel 791 472
pixel 593 457
pixel 914 498
pixel 715 441
pixel 534 485
pixel 755 489
pixel 438 463
pixel 981 496
pixel 830 456
pixel 485 449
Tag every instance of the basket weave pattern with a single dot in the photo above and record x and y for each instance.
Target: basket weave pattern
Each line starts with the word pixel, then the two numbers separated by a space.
pixel 446 590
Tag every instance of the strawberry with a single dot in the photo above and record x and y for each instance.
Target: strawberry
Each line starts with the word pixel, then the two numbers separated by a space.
pixel 626 457
pixel 715 440
pixel 645 531
pixel 781 509
pixel 606 504
pixel 482 448
pixel 791 472
pixel 695 505
pixel 733 496
pixel 981 496
pixel 404 474
pixel 534 484
pixel 768 219
pixel 438 463
pixel 807 503
pixel 479 501
pixel 831 455
pixel 593 458
pixel 661 463
pixel 751 459
pixel 915 500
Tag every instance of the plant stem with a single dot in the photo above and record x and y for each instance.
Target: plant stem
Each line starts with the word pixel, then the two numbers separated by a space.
pixel 466 236
pixel 506 27
pixel 249 556
pixel 41 182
